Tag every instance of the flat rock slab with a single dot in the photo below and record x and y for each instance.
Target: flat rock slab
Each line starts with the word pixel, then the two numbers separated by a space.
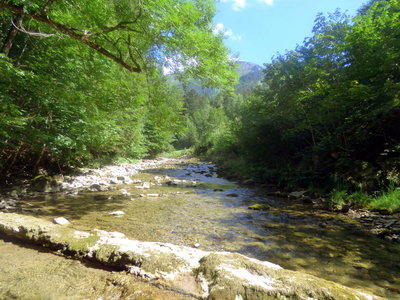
pixel 207 275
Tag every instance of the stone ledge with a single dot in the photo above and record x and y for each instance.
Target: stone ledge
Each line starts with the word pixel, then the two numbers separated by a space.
pixel 207 275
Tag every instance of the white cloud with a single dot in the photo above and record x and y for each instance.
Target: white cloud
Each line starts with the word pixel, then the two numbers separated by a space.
pixel 219 29
pixel 269 2
pixel 237 4
pixel 241 4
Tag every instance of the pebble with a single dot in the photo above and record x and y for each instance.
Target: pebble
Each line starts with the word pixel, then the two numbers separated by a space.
pixel 124 192
pixel 117 213
pixel 60 221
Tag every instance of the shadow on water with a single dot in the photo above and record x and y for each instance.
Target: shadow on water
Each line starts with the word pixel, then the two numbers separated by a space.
pixel 199 207
pixel 72 206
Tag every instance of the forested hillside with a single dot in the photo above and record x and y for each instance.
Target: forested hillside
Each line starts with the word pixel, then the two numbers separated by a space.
pixel 327 116
pixel 82 81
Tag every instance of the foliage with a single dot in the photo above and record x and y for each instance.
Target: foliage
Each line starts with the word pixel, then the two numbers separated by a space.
pixel 328 111
pixel 64 103
pixel 136 33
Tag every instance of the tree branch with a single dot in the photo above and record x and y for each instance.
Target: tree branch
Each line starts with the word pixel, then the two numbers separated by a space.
pixel 82 38
pixel 38 34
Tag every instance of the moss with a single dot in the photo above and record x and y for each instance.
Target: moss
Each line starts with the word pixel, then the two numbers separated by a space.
pixel 106 252
pixel 284 284
pixel 160 261
pixel 82 245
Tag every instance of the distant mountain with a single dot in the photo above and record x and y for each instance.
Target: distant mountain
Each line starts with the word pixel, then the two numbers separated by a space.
pixel 250 75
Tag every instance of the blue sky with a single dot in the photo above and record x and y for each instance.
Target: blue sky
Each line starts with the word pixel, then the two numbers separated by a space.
pixel 258 29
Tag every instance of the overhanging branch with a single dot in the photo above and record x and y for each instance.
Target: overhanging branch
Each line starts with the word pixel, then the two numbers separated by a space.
pixel 38 34
pixel 82 38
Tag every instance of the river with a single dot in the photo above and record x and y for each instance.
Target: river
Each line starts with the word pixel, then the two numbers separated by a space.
pixel 188 204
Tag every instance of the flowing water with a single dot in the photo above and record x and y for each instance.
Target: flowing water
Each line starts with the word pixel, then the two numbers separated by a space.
pixel 29 273
pixel 196 206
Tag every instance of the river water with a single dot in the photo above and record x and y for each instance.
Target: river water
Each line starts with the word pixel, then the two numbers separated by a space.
pixel 188 204
pixel 29 273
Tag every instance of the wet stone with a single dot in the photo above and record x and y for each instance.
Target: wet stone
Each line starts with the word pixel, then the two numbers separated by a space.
pixel 117 213
pixel 61 221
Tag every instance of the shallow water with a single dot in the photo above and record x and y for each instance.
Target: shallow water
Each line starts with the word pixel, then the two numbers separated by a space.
pixel 214 212
pixel 31 274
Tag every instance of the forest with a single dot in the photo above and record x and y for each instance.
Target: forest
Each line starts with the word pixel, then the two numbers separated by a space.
pixel 91 82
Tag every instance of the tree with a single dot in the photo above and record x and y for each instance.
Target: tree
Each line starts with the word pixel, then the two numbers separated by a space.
pixel 135 33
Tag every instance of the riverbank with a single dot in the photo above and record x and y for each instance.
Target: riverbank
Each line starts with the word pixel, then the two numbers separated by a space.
pixel 375 219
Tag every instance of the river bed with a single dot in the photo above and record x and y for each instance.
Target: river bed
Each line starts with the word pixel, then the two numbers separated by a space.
pixel 184 202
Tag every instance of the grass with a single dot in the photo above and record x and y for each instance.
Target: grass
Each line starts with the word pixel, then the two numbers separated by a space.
pixel 177 153
pixel 337 199
pixel 389 200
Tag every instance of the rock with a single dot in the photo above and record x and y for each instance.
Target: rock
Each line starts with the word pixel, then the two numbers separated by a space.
pixel 197 245
pixel 81 234
pixel 260 206
pixel 122 178
pixel 322 224
pixel 297 195
pixel 248 182
pixel 60 221
pixel 307 200
pixel 12 202
pixel 3 204
pixel 41 185
pixel 232 195
pixel 14 194
pixel 153 195
pixel 124 192
pixel 96 187
pixel 117 235
pixel 389 223
pixel 201 274
pixel 281 194
pixel 146 185
pixel 117 213
pixel 101 197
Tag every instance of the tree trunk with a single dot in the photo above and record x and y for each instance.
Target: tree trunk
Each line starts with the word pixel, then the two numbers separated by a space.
pixel 17 22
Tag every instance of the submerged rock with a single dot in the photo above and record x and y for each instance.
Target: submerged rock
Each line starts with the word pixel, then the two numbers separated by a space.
pixel 260 206
pixel 201 274
pixel 232 195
